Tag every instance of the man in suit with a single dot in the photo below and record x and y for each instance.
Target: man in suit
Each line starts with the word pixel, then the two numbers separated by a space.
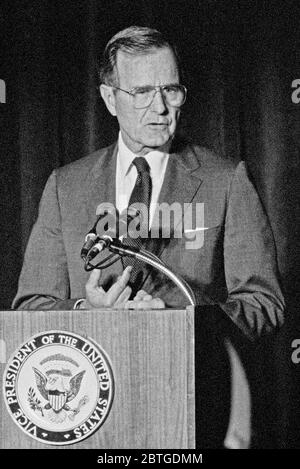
pixel 234 264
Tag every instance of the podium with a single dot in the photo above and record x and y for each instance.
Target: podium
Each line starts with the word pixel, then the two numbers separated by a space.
pixel 151 354
pixel 158 395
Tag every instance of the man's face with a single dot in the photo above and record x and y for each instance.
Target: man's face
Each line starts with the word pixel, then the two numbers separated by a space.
pixel 146 129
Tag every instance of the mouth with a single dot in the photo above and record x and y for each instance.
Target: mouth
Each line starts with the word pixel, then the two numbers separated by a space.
pixel 158 124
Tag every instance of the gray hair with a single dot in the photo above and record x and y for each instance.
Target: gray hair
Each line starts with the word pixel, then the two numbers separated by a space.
pixel 133 40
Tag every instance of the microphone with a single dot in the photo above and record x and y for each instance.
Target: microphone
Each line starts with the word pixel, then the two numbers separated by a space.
pixel 116 232
pixel 102 211
pixel 90 239
pixel 102 243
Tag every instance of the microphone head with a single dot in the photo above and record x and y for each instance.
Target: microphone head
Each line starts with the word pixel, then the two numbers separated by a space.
pixel 106 216
pixel 102 244
pixel 91 236
pixel 90 240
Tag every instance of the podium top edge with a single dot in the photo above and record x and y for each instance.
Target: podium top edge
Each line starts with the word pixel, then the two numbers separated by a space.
pixel 189 308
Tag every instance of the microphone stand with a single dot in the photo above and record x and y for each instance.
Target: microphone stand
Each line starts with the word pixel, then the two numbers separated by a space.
pixel 154 261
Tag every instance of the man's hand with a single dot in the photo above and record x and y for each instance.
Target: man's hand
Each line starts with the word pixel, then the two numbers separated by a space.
pixel 118 294
pixel 143 300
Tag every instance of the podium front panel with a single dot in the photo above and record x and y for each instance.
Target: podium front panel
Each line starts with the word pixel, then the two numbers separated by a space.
pixel 151 354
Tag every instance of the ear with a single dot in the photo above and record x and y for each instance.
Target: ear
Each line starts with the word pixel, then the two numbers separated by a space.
pixel 108 97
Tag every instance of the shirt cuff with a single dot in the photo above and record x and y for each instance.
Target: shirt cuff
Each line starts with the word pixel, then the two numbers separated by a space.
pixel 78 303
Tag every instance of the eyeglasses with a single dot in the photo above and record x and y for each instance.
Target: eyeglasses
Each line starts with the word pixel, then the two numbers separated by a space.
pixel 174 95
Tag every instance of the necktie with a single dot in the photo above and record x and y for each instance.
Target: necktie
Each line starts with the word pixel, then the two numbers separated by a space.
pixel 141 194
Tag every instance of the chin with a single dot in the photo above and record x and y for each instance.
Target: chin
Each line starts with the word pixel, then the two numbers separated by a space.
pixel 157 141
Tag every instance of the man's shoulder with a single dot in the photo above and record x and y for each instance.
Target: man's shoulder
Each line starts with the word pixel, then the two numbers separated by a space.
pixel 212 165
pixel 210 160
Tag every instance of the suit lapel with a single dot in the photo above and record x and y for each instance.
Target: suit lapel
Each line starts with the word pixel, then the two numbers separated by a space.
pixel 101 186
pixel 101 189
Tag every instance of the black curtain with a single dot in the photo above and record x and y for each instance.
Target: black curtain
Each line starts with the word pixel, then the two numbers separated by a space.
pixel 241 58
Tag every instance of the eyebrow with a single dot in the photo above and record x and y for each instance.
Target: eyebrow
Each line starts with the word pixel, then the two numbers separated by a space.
pixel 152 86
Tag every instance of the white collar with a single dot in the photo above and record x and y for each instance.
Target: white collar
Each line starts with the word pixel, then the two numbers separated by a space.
pixel 156 159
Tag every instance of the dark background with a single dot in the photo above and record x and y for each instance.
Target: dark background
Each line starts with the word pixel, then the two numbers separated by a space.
pixel 241 58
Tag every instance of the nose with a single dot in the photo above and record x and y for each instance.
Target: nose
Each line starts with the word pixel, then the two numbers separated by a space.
pixel 158 103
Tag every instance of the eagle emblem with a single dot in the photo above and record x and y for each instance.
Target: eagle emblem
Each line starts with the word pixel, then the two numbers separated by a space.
pixel 58 386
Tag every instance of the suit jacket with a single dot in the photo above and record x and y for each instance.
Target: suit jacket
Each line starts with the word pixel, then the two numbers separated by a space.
pixel 234 268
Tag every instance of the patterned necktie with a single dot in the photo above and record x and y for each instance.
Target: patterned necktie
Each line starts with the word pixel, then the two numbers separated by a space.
pixel 141 195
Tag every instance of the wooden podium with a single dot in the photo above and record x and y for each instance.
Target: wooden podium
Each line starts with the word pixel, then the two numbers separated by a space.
pixel 152 360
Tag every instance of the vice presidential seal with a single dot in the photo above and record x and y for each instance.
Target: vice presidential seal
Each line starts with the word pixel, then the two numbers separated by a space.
pixel 59 387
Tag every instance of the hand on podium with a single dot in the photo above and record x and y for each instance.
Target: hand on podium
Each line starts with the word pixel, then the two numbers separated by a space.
pixel 143 300
pixel 118 295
